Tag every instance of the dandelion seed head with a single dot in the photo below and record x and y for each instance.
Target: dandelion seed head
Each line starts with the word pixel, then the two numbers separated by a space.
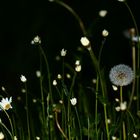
pixel 102 13
pixel 121 75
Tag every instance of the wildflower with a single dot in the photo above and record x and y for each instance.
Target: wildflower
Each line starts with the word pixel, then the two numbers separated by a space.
pixel 78 68
pixel 68 75
pixel 1 136
pixel 123 106
pixel 105 33
pixel 108 121
pixel 135 135
pixel 94 81
pixel 77 62
pixel 102 13
pixel 5 104
pixel 38 74
pixel 34 100
pixel 23 78
pixel 23 90
pixel 54 82
pixel 121 75
pixel 37 138
pixel 114 88
pixel 121 0
pixel 63 52
pixel 73 101
pixel 36 40
pixel 84 41
pixel 15 137
pixel 114 138
pixel 117 108
pixel 59 76
pixel 3 88
pixel 117 100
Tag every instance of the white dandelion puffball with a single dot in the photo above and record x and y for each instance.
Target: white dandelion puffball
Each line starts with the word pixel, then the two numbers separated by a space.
pixel 121 75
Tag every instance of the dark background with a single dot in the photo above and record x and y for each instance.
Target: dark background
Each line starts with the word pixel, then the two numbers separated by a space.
pixel 22 20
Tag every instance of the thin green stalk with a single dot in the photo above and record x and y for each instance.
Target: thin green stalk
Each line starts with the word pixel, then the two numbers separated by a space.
pixel 138 52
pixel 68 115
pixel 74 14
pixel 96 107
pixel 88 128
pixel 12 136
pixel 121 96
pixel 27 114
pixel 78 123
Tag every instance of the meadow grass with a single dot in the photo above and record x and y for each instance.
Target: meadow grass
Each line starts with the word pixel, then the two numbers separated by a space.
pixel 67 106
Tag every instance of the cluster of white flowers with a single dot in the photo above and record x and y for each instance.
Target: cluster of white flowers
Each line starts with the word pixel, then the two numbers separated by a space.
pixel 78 66
pixel 122 107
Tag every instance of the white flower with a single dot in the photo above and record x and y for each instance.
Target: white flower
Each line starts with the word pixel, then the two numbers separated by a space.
pixel 1 136
pixel 68 75
pixel 3 88
pixel 105 33
pixel 115 88
pixel 84 41
pixel 123 106
pixel 63 52
pixel 15 137
pixel 54 82
pixel 73 101
pixel 37 138
pixel 23 78
pixel 78 68
pixel 38 73
pixel 59 76
pixel 102 13
pixel 5 103
pixel 121 0
pixel 121 75
pixel 135 135
pixel 114 138
pixel 117 108
pixel 77 62
pixel 36 40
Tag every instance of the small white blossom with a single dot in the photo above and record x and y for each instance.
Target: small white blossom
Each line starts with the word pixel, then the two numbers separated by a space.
pixel 94 81
pixel 78 68
pixel 34 100
pixel 105 33
pixel 68 75
pixel 15 138
pixel 5 103
pixel 115 88
pixel 61 101
pixel 1 136
pixel 102 13
pixel 54 82
pixel 23 90
pixel 135 135
pixel 84 41
pixel 36 40
pixel 121 0
pixel 37 138
pixel 117 108
pixel 3 88
pixel 114 138
pixel 73 101
pixel 108 121
pixel 77 62
pixel 63 52
pixel 23 78
pixel 117 100
pixel 59 76
pixel 38 73
pixel 123 106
